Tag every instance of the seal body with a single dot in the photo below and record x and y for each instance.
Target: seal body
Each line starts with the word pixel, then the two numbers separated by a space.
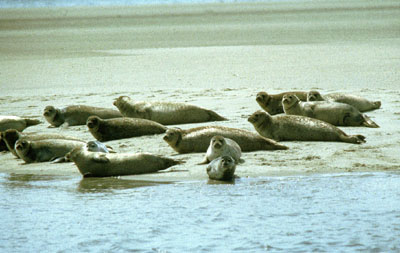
pixel 120 128
pixel 3 145
pixel 299 128
pixel 75 115
pixel 15 122
pixel 45 150
pixel 222 168
pixel 272 103
pixel 96 164
pixel 220 146
pixel 197 139
pixel 338 114
pixel 360 103
pixel 166 113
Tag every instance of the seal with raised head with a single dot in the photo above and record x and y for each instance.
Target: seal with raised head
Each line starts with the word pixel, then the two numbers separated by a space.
pixel 360 103
pixel 338 114
pixel 15 122
pixel 75 115
pixel 220 146
pixel 197 140
pixel 45 150
pixel 96 164
pixel 222 168
pixel 272 103
pixel 299 128
pixel 166 113
pixel 120 128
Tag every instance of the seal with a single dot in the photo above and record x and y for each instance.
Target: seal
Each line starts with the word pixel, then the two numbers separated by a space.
pixel 3 145
pixel 166 113
pixel 197 140
pixel 220 146
pixel 120 128
pixel 45 150
pixel 15 122
pixel 338 114
pixel 96 164
pixel 96 146
pixel 11 136
pixel 222 168
pixel 75 115
pixel 299 128
pixel 360 103
pixel 272 103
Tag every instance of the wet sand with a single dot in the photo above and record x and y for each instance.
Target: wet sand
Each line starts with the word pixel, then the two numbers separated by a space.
pixel 217 56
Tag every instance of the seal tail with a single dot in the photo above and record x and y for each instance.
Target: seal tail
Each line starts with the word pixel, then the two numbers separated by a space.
pixel 377 104
pixel 369 122
pixel 172 162
pixel 32 122
pixel 355 139
pixel 215 116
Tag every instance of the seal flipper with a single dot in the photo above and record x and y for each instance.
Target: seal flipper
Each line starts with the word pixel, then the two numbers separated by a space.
pixel 62 159
pixel 215 116
pixel 100 158
pixel 205 161
pixel 369 122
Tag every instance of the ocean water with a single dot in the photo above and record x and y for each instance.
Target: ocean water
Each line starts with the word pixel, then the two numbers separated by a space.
pixel 350 212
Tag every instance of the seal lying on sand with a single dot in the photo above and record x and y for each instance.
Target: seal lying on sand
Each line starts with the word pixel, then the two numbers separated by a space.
pixel 18 123
pixel 338 114
pixel 222 168
pixel 272 103
pixel 299 128
pixel 120 128
pixel 166 113
pixel 11 136
pixel 75 115
pixel 95 164
pixel 196 140
pixel 220 146
pixel 45 150
pixel 360 103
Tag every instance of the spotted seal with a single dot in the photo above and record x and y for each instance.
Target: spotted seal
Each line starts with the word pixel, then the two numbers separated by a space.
pixel 15 122
pixel 338 114
pixel 120 128
pixel 220 146
pixel 166 113
pixel 222 168
pixel 272 103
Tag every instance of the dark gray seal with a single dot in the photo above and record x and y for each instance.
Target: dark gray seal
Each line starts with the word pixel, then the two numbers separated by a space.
pixel 299 128
pixel 222 168
pixel 120 128
pixel 75 115
pixel 166 113
pixel 15 122
pixel 272 103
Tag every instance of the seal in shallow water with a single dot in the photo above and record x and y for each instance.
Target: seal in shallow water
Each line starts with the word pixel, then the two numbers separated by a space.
pixel 95 164
pixel 360 103
pixel 120 128
pixel 299 128
pixel 15 122
pixel 222 168
pixel 166 113
pixel 338 114
pixel 272 103
pixel 75 115
pixel 220 146
pixel 198 139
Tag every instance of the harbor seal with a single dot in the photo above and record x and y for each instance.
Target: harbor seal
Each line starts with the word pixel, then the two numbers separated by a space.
pixel 75 115
pixel 338 114
pixel 166 113
pixel 96 146
pixel 15 122
pixel 96 164
pixel 197 140
pixel 222 168
pixel 45 150
pixel 299 128
pixel 220 146
pixel 272 103
pixel 360 103
pixel 120 128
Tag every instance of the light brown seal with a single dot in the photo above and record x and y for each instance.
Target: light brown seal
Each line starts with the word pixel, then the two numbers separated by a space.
pixel 166 113
pixel 272 103
pixel 96 164
pixel 197 140
pixel 299 128
pixel 220 146
pixel 45 150
pixel 75 115
pixel 120 128
pixel 222 168
pixel 360 103
pixel 15 122
pixel 338 114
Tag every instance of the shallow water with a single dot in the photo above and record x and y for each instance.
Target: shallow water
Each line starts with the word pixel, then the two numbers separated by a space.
pixel 321 212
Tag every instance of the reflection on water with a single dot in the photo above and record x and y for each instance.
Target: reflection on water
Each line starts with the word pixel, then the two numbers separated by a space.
pixel 335 213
